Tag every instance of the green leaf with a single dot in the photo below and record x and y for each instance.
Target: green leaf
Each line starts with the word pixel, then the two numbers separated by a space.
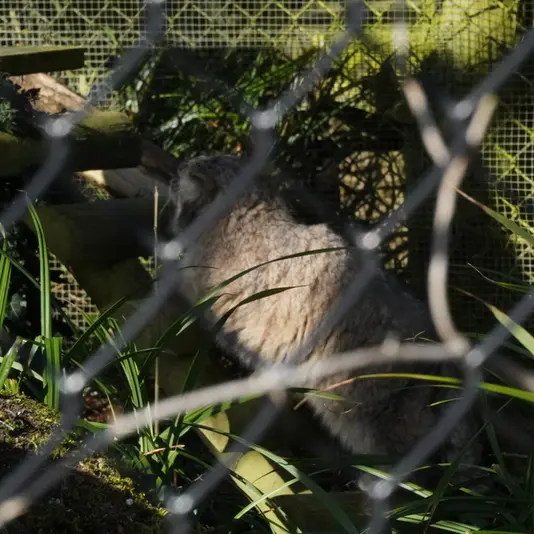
pixel 197 416
pixel 52 371
pixel 36 284
pixel 92 426
pixel 323 497
pixel 504 221
pixel 52 345
pixel 131 372
pixel 5 279
pixel 518 332
pixel 281 258
pixel 79 346
pixel 126 360
pixel 456 382
pixel 44 276
pixel 264 497
pixel 521 334
pixel 8 360
pixel 175 329
pixel 310 392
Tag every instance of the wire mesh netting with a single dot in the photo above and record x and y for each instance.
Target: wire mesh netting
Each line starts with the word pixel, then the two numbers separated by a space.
pixel 475 73
pixel 455 42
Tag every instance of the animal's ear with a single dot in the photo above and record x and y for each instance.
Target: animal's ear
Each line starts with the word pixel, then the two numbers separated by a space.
pixel 173 190
pixel 190 189
pixel 185 188
pixel 187 195
pixel 183 215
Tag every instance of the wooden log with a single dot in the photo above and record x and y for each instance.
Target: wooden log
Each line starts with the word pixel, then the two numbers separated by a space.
pixel 102 232
pixel 103 140
pixel 302 510
pixel 125 183
pixel 159 164
pixel 16 60
pixel 106 140
pixel 18 154
pixel 156 167
pixel 53 97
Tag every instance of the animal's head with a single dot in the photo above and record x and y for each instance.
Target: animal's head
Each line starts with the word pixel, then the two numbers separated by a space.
pixel 197 184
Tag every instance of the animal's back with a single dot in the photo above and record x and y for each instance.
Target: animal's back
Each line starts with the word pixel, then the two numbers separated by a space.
pixel 379 415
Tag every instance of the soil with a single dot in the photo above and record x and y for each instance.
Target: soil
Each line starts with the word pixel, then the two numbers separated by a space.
pixel 94 497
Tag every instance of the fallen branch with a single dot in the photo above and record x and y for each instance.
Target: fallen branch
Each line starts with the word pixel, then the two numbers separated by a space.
pixel 103 140
pixel 155 166
pixel 17 60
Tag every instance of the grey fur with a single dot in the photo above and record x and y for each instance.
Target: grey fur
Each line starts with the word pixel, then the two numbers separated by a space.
pixel 378 415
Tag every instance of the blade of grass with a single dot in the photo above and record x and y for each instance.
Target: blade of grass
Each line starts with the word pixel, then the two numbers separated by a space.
pixel 201 356
pixel 129 366
pixel 79 345
pixel 52 371
pixel 518 332
pixel 525 338
pixel 189 317
pixel 456 382
pixel 8 360
pixel 264 497
pixel 437 497
pixel 504 221
pixel 44 276
pixel 175 431
pixel 280 258
pixel 5 279
pixel 513 487
pixel 21 369
pixel 175 329
pixel 513 283
pixel 52 344
pixel 36 284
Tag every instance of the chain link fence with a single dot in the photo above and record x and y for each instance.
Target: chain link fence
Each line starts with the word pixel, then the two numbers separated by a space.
pixel 475 72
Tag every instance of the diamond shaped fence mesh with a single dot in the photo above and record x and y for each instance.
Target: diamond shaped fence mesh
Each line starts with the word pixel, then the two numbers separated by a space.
pixel 360 147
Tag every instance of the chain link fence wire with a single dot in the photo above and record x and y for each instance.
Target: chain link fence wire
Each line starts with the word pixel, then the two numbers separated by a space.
pixel 450 151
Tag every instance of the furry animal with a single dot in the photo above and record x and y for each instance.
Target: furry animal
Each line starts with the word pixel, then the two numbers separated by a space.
pixel 379 415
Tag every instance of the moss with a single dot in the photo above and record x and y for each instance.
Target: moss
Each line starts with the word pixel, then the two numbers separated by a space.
pixel 93 497
pixel 108 123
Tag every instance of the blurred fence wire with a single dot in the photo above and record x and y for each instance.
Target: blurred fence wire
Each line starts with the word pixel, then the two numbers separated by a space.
pixel 471 115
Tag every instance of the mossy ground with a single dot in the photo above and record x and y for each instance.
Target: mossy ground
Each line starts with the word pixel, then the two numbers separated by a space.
pixel 94 497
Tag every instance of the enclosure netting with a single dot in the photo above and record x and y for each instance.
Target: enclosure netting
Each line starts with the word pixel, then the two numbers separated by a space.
pixel 453 42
